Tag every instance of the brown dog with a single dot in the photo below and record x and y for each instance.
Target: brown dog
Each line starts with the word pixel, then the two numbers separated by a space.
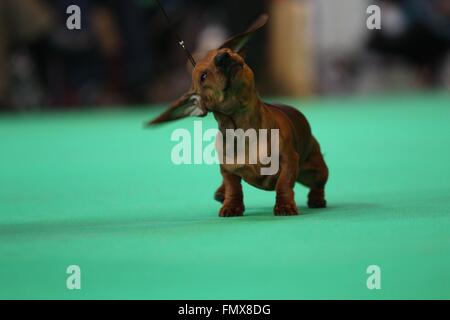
pixel 222 83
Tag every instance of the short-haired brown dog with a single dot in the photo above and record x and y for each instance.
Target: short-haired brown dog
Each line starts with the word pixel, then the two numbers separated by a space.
pixel 222 83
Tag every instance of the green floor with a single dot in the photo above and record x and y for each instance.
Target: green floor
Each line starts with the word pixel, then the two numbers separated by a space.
pixel 96 190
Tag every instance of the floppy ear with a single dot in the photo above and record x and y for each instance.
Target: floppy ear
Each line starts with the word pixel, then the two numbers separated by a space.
pixel 238 42
pixel 188 105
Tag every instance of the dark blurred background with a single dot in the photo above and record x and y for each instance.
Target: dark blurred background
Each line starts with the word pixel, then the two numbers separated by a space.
pixel 125 53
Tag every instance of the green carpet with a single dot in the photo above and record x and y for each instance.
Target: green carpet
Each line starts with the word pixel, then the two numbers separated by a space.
pixel 96 190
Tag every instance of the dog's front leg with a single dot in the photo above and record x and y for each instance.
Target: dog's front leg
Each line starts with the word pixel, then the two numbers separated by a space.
pixel 285 202
pixel 233 204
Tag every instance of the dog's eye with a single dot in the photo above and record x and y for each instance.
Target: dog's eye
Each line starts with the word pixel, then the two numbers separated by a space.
pixel 203 76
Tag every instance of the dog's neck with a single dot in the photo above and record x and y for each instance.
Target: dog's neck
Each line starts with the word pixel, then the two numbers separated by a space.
pixel 247 116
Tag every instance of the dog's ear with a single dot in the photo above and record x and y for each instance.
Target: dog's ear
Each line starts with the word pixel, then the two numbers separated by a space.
pixel 188 105
pixel 238 42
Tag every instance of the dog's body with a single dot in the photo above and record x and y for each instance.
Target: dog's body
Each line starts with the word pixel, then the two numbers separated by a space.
pixel 300 161
pixel 224 85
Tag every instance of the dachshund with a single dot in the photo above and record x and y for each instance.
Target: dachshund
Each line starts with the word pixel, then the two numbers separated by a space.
pixel 223 84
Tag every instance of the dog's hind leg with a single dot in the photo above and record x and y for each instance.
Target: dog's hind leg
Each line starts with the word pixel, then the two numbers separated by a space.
pixel 314 175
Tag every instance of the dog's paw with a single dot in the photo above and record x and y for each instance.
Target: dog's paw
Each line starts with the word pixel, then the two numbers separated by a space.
pixel 231 211
pixel 285 209
pixel 317 204
pixel 316 199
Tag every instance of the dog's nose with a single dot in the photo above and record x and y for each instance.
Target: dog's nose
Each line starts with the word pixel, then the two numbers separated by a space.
pixel 222 60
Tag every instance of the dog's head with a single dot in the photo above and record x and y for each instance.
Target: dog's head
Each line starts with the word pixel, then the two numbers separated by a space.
pixel 219 81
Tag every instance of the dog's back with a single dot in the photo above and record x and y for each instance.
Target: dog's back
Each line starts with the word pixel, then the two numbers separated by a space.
pixel 301 129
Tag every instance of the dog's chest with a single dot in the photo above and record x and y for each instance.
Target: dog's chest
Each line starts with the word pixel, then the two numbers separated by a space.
pixel 255 158
pixel 252 175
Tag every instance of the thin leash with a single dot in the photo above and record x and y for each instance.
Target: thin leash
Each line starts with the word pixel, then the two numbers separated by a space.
pixel 180 41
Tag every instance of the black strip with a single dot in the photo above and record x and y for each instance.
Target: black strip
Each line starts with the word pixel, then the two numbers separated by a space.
pixel 234 309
